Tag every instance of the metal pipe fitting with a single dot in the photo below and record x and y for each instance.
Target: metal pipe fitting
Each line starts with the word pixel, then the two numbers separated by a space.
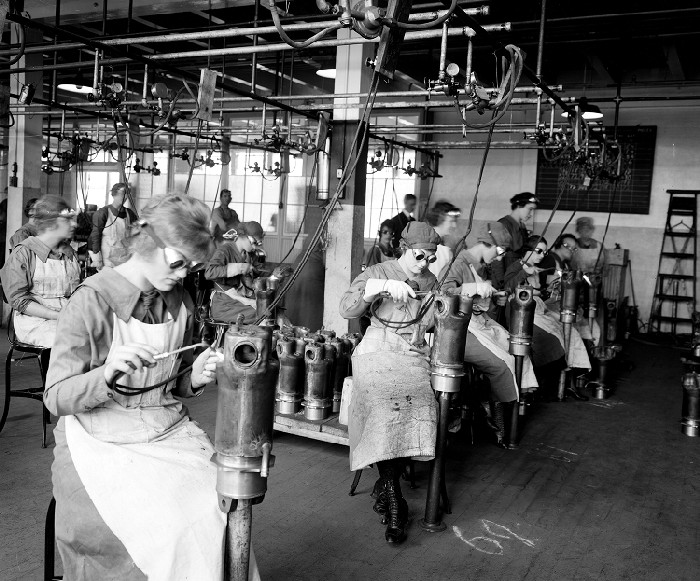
pixel 290 386
pixel 452 316
pixel 318 399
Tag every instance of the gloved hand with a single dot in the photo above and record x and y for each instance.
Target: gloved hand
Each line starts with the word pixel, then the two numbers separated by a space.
pixel 483 289
pixel 398 290
pixel 128 359
pixel 204 367
pixel 499 298
pixel 95 259
pixel 237 269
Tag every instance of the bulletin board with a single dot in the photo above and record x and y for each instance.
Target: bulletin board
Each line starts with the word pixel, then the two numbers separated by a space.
pixel 629 195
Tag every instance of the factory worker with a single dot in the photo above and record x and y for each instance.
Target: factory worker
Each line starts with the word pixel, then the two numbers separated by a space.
pixel 28 229
pixel 42 272
pixel 133 480
pixel 107 245
pixel 393 413
pixel 231 270
pixel 383 249
pixel 223 218
pixel 590 257
pixel 548 354
pixel 487 341
pixel 522 207
pixel 443 218
pixel 401 220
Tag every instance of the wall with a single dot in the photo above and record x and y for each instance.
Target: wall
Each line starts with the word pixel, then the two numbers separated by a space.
pixel 676 166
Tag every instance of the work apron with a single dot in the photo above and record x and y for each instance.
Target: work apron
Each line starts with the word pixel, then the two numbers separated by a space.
pixel 393 411
pixel 113 244
pixel 586 260
pixel 495 338
pixel 134 483
pixel 53 282
pixel 577 357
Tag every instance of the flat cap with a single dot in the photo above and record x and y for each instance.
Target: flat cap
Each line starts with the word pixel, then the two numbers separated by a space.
pixel 584 222
pixel 495 233
pixel 420 235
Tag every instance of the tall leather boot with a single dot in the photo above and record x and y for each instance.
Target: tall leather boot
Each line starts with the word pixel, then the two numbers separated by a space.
pixel 498 421
pixel 381 503
pixel 397 514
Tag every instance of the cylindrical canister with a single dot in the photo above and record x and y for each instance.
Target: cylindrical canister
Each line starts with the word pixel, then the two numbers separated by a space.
pixel 327 334
pixel 351 340
pixel 594 285
pixel 452 316
pixel 602 355
pixel 340 371
pixel 265 290
pixel 570 284
pixel 290 385
pixel 245 414
pixel 611 321
pixel 522 317
pixel 690 422
pixel 318 389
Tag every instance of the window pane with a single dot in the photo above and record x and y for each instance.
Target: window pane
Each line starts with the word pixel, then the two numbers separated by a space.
pixel 271 190
pixel 294 215
pixel 253 189
pixel 269 217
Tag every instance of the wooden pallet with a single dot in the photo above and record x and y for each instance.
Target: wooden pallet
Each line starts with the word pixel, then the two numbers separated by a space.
pixel 328 430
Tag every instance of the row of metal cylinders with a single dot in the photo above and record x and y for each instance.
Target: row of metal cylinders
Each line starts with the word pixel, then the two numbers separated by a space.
pixel 313 369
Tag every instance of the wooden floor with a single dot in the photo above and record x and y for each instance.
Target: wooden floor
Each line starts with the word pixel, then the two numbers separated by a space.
pixel 600 490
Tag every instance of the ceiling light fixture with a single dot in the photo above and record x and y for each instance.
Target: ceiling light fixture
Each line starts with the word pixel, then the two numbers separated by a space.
pixel 326 73
pixel 588 111
pixel 77 85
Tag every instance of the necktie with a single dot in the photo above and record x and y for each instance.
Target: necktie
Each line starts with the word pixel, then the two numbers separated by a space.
pixel 148 298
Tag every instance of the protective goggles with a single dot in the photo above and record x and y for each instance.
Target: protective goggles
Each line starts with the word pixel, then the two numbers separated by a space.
pixel 254 241
pixel 572 248
pixel 67 213
pixel 174 258
pixel 538 250
pixel 500 251
pixel 420 256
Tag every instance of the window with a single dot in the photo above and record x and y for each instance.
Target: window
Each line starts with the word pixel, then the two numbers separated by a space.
pixel 94 187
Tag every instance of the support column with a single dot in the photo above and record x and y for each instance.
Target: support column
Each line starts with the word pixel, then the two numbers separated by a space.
pixel 26 140
pixel 345 239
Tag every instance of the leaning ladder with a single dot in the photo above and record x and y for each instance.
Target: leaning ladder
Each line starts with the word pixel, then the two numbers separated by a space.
pixel 675 281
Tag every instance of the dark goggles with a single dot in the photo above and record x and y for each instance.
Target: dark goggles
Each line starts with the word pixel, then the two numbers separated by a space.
pixel 171 255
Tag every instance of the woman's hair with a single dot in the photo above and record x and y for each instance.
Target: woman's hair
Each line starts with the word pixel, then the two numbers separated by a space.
pixel 560 240
pixel 29 205
pixel 533 241
pixel 439 212
pixel 180 221
pixel 47 210
pixel 386 224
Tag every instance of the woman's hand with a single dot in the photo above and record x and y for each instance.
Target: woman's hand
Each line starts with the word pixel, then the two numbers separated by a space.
pixel 128 359
pixel 204 367
pixel 530 268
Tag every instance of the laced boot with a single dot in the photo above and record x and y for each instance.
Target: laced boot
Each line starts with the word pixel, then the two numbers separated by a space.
pixel 397 507
pixel 381 504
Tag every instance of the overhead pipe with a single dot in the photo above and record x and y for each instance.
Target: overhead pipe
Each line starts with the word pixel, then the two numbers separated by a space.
pixel 144 60
pixel 225 33
pixel 538 71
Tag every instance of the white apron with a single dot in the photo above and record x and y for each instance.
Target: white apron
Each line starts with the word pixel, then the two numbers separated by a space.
pixel 577 357
pixel 496 339
pixel 113 244
pixel 53 282
pixel 147 469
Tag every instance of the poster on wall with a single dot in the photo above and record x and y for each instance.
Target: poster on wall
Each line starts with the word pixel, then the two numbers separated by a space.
pixel 586 187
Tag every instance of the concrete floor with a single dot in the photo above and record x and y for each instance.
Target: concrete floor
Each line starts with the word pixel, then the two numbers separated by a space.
pixel 596 491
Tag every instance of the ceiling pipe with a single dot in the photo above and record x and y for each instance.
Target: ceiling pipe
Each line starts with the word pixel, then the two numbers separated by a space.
pixel 244 50
pixel 145 60
pixel 224 33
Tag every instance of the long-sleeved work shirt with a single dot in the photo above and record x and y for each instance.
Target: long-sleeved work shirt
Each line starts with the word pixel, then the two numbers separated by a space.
pixel 22 233
pixel 102 218
pixel 18 271
pixel 75 382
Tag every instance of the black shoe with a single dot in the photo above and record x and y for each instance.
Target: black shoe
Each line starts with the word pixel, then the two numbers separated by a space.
pixel 398 513
pixel 573 392
pixel 381 503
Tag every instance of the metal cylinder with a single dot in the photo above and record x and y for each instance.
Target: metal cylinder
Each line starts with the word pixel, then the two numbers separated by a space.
pixel 340 371
pixel 570 284
pixel 245 414
pixel 351 340
pixel 690 422
pixel 452 316
pixel 318 398
pixel 238 544
pixel 522 317
pixel 327 334
pixel 595 282
pixel 290 385
pixel 611 321
pixel 602 355
pixel 265 288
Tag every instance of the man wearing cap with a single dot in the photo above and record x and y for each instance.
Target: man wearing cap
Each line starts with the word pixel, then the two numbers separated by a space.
pixel 401 219
pixel 590 257
pixel 231 270
pixel 393 413
pixel 223 218
pixel 487 341
pixel 110 226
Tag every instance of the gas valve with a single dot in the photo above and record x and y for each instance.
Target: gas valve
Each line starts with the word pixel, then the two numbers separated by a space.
pixel 245 415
